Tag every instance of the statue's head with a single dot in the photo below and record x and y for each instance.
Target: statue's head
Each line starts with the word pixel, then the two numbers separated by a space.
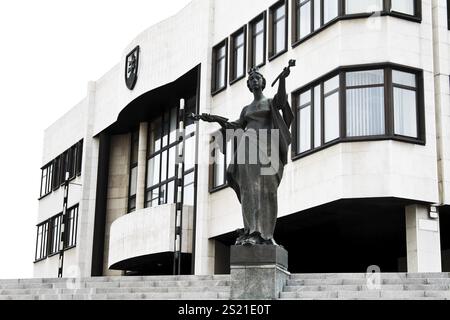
pixel 255 80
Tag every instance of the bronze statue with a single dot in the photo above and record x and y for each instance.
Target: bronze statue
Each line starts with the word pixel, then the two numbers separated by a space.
pixel 257 192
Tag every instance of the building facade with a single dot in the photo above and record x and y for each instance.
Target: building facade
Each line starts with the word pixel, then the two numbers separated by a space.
pixel 368 177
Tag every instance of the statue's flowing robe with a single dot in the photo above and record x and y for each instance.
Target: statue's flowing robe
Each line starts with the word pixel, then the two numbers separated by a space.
pixel 258 192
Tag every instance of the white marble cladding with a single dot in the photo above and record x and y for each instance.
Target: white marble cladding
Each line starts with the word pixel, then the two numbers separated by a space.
pixel 148 231
pixel 118 186
pixel 176 45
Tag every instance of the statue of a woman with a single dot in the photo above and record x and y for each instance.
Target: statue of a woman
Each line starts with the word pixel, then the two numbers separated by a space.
pixel 256 190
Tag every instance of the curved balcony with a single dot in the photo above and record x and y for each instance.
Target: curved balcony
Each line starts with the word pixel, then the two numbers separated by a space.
pixel 147 235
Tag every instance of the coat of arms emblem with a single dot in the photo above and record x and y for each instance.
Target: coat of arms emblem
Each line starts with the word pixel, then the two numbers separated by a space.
pixel 131 68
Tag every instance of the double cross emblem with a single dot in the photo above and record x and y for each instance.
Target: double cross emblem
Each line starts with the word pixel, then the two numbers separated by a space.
pixel 131 68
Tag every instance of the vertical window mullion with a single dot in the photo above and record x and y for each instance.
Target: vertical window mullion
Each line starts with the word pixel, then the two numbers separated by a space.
pixel 342 105
pixel 389 103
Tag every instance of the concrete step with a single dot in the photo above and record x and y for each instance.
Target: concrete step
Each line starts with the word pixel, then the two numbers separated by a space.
pixel 300 276
pixel 395 287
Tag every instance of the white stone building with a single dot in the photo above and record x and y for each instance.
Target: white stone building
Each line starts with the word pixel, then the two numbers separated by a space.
pixel 369 167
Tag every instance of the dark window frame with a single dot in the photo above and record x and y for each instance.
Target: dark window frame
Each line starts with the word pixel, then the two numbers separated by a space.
pixel 387 5
pixel 164 148
pixel 214 89
pixel 46 250
pixel 72 159
pixel 389 108
pixel 251 26
pixel 51 222
pixel 272 34
pixel 71 225
pixel 233 54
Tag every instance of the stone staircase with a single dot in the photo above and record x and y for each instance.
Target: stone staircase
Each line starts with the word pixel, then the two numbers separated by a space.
pixel 391 286
pixel 118 288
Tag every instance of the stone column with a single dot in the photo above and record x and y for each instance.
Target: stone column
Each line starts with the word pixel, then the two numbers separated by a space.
pixel 142 164
pixel 422 240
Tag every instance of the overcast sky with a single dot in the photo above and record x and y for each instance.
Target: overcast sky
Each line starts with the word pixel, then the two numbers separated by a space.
pixel 49 50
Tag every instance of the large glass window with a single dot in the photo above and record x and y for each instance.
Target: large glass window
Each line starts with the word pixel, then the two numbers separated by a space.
pixel 220 66
pixel 364 99
pixel 238 48
pixel 162 165
pixel 257 48
pixel 278 28
pixel 365 103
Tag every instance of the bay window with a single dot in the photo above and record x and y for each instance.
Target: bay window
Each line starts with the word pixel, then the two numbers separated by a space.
pixel 360 103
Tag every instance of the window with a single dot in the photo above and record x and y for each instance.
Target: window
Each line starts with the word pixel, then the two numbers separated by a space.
pixel 41 241
pixel 361 103
pixel 221 160
pixel 134 153
pixel 257 41
pixel 162 164
pixel 363 6
pixel 55 234
pixel 238 54
pixel 71 228
pixel 365 103
pixel 54 173
pixel 220 57
pixel 405 104
pixel 46 179
pixel 311 15
pixel 48 241
pixel 404 6
pixel 278 28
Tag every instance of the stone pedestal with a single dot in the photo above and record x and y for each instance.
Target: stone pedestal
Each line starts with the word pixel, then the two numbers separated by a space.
pixel 258 272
